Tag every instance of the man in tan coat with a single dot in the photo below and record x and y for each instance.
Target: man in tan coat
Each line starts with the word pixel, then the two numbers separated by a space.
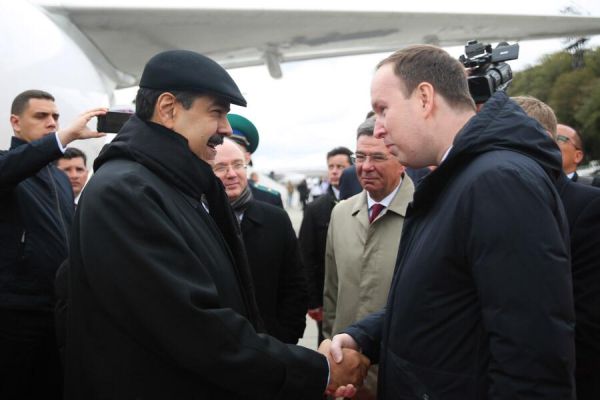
pixel 363 239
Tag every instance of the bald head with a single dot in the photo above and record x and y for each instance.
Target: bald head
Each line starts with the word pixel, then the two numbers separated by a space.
pixel 571 147
pixel 230 167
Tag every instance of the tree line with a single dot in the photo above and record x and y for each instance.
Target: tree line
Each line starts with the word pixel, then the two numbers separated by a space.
pixel 572 92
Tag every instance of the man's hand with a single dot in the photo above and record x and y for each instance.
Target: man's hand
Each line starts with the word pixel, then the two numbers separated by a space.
pixel 316 313
pixel 79 130
pixel 340 342
pixel 347 375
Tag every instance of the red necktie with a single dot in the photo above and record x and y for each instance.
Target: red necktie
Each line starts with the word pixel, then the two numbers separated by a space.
pixel 375 211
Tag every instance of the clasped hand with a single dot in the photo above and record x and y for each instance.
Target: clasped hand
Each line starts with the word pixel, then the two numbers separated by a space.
pixel 348 373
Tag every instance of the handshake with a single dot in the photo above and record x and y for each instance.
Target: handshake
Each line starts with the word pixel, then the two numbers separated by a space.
pixel 347 367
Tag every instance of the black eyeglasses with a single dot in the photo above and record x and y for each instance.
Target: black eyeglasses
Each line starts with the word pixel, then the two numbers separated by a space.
pixel 375 158
pixel 566 139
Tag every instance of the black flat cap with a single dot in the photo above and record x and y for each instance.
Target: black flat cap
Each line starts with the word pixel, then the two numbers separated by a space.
pixel 189 71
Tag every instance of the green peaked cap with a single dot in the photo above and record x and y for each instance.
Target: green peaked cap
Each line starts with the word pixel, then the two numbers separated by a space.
pixel 244 132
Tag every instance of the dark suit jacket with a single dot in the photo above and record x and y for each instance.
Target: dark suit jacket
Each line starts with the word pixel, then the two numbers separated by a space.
pixel 265 197
pixel 313 237
pixel 586 180
pixel 349 183
pixel 277 271
pixel 582 206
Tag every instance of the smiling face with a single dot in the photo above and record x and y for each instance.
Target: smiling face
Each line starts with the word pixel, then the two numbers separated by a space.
pixel 39 118
pixel 203 125
pixel 230 167
pixel 378 170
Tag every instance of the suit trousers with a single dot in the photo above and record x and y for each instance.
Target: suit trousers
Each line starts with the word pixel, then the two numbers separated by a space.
pixel 30 365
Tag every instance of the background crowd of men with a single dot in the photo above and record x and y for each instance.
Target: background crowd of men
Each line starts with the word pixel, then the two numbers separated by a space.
pixel 456 249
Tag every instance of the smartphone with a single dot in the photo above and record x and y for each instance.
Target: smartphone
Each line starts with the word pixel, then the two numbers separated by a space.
pixel 112 121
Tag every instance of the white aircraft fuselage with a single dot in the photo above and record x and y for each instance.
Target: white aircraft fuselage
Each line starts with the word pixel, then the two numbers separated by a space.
pixel 38 54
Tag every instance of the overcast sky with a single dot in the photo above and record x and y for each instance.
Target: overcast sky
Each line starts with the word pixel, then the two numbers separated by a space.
pixel 317 105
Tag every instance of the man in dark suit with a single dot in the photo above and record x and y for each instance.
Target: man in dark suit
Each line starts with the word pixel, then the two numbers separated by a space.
pixel 246 135
pixel 313 233
pixel 582 207
pixel 271 246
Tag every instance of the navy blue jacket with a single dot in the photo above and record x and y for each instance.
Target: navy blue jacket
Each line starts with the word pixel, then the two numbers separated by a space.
pixel 36 209
pixel 481 304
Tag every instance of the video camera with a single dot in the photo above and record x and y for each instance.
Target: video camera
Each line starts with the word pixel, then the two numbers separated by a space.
pixel 489 72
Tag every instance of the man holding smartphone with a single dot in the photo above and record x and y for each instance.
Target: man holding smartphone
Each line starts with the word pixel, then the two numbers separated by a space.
pixel 36 209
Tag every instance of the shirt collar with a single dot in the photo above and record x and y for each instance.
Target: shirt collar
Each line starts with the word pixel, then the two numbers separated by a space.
pixel 386 200
pixel 445 154
pixel 336 192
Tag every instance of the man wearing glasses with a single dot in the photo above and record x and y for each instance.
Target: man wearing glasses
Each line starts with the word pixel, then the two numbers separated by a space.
pixel 271 246
pixel 364 232
pixel 571 147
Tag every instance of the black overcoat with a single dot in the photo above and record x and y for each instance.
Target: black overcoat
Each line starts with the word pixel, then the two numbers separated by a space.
pixel 277 272
pixel 159 305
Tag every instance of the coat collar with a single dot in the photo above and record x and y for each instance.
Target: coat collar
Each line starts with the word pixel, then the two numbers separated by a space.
pixel 398 205
pixel 253 216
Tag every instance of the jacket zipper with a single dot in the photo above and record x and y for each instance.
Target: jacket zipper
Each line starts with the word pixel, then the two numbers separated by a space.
pixel 59 211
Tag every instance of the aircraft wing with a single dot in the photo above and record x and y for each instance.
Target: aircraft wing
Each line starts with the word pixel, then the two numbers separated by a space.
pixel 128 37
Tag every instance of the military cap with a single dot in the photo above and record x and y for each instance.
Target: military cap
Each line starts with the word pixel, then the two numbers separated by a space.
pixel 244 132
pixel 189 71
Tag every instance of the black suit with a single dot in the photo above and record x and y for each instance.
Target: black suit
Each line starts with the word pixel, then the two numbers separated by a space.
pixel 349 183
pixel 586 180
pixel 582 206
pixel 276 269
pixel 313 238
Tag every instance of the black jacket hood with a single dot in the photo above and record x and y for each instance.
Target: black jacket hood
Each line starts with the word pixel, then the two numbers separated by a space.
pixel 500 125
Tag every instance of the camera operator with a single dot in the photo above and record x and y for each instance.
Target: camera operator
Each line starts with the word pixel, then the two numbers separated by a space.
pixel 481 305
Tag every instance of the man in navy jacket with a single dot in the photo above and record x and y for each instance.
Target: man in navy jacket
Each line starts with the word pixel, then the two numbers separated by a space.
pixel 36 208
pixel 481 303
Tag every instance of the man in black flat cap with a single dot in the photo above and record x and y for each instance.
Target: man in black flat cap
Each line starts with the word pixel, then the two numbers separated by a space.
pixel 161 304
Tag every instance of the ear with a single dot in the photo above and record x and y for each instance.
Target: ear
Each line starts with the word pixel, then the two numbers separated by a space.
pixel 425 95
pixel 164 110
pixel 15 122
pixel 578 156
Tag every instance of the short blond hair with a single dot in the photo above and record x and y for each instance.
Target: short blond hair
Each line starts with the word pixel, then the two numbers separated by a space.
pixel 539 111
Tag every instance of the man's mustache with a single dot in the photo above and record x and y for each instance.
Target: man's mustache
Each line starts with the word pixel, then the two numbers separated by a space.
pixel 215 140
